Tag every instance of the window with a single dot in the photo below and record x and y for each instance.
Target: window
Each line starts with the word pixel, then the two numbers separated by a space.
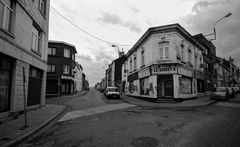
pixel 67 53
pixel 130 64
pixel 135 62
pixel 36 40
pixel 182 52
pixel 6 12
pixel 196 61
pixel 164 49
pixel 51 51
pixel 42 7
pixel 166 52
pixel 66 69
pixel 73 57
pixel 161 53
pixel 142 57
pixel 51 68
pixel 189 55
pixel 144 86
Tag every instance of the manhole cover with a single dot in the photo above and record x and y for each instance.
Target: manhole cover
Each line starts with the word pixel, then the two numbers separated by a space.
pixel 145 142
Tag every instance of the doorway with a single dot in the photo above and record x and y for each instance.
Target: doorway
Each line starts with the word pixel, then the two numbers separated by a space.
pixel 165 86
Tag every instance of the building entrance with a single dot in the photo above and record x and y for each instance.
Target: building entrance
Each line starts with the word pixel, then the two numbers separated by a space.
pixel 165 87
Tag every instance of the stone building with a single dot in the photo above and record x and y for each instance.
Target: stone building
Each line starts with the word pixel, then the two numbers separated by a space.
pixel 165 63
pixel 23 54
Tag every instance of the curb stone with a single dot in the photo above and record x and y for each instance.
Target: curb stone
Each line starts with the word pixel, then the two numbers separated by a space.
pixel 24 136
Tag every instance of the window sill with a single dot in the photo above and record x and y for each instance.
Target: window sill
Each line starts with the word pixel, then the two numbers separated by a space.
pixel 36 52
pixel 8 33
pixel 44 15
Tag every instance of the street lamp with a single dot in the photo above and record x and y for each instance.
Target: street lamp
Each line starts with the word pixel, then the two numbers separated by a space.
pixel 214 26
pixel 215 37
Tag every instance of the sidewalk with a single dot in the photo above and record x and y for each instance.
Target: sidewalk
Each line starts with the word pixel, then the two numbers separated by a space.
pixel 200 101
pixel 12 132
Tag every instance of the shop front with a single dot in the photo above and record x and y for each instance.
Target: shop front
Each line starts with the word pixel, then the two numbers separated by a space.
pixel 165 82
pixel 67 85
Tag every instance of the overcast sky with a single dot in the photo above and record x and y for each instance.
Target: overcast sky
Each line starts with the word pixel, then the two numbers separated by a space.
pixel 124 21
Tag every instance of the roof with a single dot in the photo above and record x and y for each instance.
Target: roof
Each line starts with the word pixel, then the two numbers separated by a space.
pixel 64 43
pixel 163 29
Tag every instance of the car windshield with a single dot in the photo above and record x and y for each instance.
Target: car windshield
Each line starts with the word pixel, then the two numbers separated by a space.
pixel 221 89
pixel 113 90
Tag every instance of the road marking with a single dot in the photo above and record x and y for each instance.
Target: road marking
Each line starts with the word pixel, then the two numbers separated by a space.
pixel 95 110
pixel 228 104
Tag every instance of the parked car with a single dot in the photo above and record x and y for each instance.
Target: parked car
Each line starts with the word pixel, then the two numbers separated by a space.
pixel 112 92
pixel 221 93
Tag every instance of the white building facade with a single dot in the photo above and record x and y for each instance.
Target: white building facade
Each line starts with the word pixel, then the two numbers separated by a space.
pixel 165 63
pixel 78 81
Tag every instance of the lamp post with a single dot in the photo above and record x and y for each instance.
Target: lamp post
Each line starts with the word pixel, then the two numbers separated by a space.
pixel 214 26
pixel 215 37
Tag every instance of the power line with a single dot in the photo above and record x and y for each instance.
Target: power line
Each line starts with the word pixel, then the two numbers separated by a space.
pixel 86 31
pixel 93 20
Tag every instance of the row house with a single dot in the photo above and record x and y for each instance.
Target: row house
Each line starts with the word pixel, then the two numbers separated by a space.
pixel 61 65
pixel 23 54
pixel 77 74
pixel 209 57
pixel 165 63
pixel 114 72
pixel 85 83
pixel 226 73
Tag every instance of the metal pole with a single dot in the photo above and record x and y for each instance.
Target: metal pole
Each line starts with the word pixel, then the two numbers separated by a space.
pixel 24 98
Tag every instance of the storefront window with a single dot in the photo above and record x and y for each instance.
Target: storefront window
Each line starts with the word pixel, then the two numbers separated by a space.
pixel 185 85
pixel 131 87
pixel 144 86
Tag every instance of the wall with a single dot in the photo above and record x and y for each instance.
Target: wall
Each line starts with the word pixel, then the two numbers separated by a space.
pixel 18 46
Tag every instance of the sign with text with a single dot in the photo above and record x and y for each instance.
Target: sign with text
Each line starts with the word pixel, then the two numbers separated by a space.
pixel 185 70
pixel 144 72
pixel 164 69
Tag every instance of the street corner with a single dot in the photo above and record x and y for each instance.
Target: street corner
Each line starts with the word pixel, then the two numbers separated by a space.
pixel 199 101
pixel 16 131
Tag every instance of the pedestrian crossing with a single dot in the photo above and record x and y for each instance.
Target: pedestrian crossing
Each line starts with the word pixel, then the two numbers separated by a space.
pixel 94 110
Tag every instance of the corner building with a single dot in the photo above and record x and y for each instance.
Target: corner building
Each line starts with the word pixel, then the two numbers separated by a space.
pixel 165 63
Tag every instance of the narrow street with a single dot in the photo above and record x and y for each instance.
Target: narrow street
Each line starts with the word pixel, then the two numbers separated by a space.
pixel 142 126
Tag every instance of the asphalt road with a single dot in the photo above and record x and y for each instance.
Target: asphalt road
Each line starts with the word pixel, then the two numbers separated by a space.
pixel 144 126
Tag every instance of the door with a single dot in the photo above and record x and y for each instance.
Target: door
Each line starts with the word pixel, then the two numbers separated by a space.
pixel 5 82
pixel 34 87
pixel 165 87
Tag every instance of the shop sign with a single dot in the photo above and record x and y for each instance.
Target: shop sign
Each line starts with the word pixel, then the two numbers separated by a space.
pixel 164 69
pixel 186 71
pixel 67 78
pixel 144 72
pixel 133 77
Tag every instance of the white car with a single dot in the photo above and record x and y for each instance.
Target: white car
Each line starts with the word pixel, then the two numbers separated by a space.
pixel 112 92
pixel 221 93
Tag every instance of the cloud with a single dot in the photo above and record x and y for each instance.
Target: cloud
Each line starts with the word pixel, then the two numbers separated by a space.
pixel 84 57
pixel 131 7
pixel 114 19
pixel 202 5
pixel 227 30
